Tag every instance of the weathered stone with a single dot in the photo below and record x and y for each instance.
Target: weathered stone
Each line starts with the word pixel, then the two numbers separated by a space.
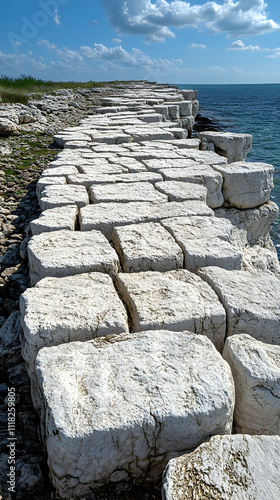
pixel 251 300
pixel 126 192
pixel 114 411
pixel 61 310
pixel 182 191
pixel 255 368
pixel 60 196
pixel 7 127
pixel 49 181
pixel 205 241
pixel 246 185
pixel 66 253
pixel 103 168
pixel 228 468
pixel 55 219
pixel 234 146
pixel 88 180
pixel 254 223
pixel 105 216
pixel 176 300
pixel 185 108
pixel 140 134
pixel 146 247
pixel 198 174
pixel 60 171
pixel 188 94
pixel 10 351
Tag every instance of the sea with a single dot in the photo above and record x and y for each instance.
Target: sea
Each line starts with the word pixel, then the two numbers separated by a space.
pixel 250 109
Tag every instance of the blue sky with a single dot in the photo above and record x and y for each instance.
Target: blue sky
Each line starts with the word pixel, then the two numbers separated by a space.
pixel 221 41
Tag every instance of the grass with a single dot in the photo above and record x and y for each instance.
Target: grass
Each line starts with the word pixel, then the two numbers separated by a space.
pixel 17 90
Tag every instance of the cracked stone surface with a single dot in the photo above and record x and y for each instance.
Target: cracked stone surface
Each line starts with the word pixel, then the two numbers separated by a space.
pixel 96 178
pixel 61 310
pixel 105 216
pixel 234 146
pixel 227 468
pixel 126 192
pixel 255 223
pixel 251 300
pixel 255 368
pixel 105 423
pixel 176 300
pixel 55 219
pixel 66 253
pixel 181 191
pixel 59 196
pixel 205 241
pixel 246 185
pixel 146 247
pixel 198 174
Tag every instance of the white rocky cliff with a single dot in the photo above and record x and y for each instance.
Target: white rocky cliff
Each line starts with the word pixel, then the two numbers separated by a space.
pixel 155 291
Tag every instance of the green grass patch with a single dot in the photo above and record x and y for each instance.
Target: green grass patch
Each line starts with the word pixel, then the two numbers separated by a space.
pixel 14 90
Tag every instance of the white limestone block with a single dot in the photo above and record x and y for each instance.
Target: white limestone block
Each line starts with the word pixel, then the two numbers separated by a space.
pixel 246 185
pixel 177 300
pixel 251 300
pixel 131 164
pixel 188 94
pixel 66 253
pixel 126 192
pixel 59 196
pixel 255 368
pixel 60 310
pixel 198 174
pixel 174 111
pixel 146 247
pixel 204 157
pixel 238 467
pixel 196 228
pixel 140 134
pixel 234 146
pixel 60 171
pixel 179 133
pixel 55 219
pixel 185 108
pixel 182 191
pixel 256 223
pixel 205 241
pixel 162 109
pixel 114 410
pixel 190 143
pixel 88 180
pixel 102 169
pixel 151 117
pixel 105 216
pixel 49 181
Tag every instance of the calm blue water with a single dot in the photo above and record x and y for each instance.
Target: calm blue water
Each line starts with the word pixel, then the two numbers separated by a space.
pixel 250 109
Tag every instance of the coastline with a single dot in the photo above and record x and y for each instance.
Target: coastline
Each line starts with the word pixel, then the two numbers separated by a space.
pixel 69 149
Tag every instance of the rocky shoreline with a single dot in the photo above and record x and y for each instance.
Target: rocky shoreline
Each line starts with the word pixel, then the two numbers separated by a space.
pixel 24 154
pixel 249 242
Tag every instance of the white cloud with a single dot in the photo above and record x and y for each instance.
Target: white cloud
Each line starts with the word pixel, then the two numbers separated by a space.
pixel 239 45
pixel 154 19
pixel 276 53
pixel 197 46
pixel 56 18
pixel 117 40
pixel 92 23
pixel 46 43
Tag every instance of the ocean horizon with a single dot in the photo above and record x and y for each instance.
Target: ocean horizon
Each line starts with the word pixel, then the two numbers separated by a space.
pixel 250 109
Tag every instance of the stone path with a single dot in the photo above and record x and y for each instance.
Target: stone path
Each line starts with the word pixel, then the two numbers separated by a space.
pixel 141 243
